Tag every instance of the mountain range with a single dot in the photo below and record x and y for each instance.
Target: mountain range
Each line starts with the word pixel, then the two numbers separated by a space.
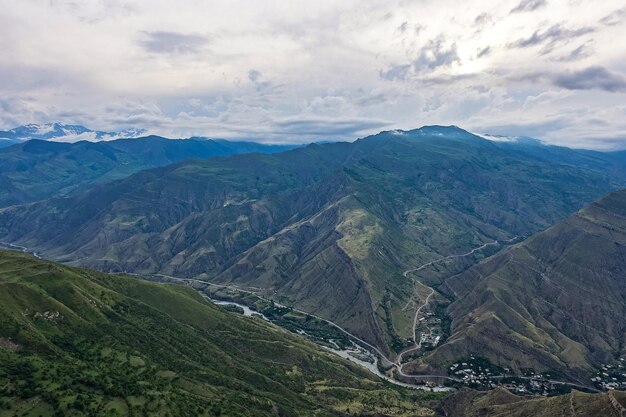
pixel 327 228
pixel 61 132
pixel 37 169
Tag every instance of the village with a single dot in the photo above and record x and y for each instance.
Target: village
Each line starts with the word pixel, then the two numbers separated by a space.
pixel 479 373
pixel 611 376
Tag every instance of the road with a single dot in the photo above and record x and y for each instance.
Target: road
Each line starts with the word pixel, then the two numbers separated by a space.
pixel 415 319
pixel 417 344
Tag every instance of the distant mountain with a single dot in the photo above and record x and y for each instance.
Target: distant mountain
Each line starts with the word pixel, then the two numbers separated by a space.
pixel 60 132
pixel 327 228
pixel 555 302
pixel 37 169
pixel 82 343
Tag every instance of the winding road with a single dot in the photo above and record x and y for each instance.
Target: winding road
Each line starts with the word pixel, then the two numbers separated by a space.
pixel 418 344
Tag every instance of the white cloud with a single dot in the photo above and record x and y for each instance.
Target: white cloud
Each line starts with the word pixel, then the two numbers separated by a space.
pixel 298 70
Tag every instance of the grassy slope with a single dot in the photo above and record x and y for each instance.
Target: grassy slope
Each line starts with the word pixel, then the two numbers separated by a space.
pixel 78 342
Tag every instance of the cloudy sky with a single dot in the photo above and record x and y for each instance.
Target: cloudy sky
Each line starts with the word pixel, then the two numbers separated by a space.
pixel 295 71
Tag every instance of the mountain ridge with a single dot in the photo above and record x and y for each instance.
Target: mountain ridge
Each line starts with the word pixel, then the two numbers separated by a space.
pixel 39 169
pixel 66 133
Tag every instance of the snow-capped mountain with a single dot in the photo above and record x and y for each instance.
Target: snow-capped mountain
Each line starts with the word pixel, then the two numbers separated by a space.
pixel 60 132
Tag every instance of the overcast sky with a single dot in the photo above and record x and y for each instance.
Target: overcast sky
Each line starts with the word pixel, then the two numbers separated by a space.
pixel 295 71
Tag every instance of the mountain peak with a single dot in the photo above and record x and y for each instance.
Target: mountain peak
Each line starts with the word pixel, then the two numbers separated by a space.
pixel 440 130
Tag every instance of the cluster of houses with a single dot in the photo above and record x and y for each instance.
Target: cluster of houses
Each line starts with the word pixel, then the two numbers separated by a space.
pixel 611 376
pixel 431 330
pixel 429 339
pixel 474 373
pixel 478 373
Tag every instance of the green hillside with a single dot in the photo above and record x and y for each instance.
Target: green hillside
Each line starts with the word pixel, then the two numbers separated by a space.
pixel 39 169
pixel 327 228
pixel 76 342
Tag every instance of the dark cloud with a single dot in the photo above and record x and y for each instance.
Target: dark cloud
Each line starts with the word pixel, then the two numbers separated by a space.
pixel 484 52
pixel 372 99
pixel 591 78
pixel 327 127
pixel 614 18
pixel 482 19
pixel 581 52
pixel 434 55
pixel 445 79
pixel 528 6
pixel 172 42
pixel 551 36
pixel 138 120
pixel 254 75
pixel 395 72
